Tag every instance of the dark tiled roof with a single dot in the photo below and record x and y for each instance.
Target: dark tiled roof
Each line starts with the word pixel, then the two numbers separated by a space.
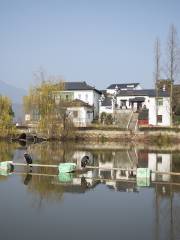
pixel 77 103
pixel 137 99
pixel 106 102
pixel 144 92
pixel 124 85
pixel 79 86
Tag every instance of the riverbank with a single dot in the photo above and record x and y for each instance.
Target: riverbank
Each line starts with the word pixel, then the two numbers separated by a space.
pixel 152 137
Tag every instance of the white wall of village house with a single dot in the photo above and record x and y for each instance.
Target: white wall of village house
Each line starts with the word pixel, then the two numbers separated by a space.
pixel 89 96
pixel 159 162
pixel 112 91
pixel 106 109
pixel 164 110
pixel 150 103
pixel 152 111
pixel 119 98
pixel 84 116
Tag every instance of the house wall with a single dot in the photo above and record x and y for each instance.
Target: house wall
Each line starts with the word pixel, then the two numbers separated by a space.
pixel 152 111
pixel 89 96
pixel 106 109
pixel 159 162
pixel 150 103
pixel 119 98
pixel 96 103
pixel 84 116
pixel 112 91
pixel 164 110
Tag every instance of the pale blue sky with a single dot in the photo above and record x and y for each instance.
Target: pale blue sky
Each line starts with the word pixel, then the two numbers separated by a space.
pixel 98 41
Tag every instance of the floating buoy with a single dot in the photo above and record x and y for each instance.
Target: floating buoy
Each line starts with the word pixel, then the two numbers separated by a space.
pixel 143 177
pixel 65 177
pixel 67 167
pixel 7 165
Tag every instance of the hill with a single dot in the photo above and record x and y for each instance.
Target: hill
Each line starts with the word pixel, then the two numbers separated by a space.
pixel 16 95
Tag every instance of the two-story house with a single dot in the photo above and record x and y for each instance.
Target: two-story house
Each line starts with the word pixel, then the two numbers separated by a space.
pixel 156 110
pixel 81 91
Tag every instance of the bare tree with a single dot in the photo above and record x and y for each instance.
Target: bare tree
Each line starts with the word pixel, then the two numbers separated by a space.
pixel 172 66
pixel 157 71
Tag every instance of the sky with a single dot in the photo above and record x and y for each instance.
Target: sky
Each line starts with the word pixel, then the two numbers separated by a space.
pixel 97 41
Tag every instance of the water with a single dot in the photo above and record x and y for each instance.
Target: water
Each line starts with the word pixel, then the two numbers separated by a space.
pixel 97 204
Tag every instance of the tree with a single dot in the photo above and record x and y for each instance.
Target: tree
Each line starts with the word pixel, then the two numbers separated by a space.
pixel 157 72
pixel 172 65
pixel 47 109
pixel 6 116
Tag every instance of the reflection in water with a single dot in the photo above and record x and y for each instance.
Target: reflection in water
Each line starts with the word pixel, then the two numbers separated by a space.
pixel 47 184
pixel 27 179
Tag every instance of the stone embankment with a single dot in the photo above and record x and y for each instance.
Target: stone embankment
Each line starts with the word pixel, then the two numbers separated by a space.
pixel 128 136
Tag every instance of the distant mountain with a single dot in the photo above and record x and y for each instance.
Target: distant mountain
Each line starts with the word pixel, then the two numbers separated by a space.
pixel 16 95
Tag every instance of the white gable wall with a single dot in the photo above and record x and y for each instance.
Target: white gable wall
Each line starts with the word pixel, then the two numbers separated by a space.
pixel 164 110
pixel 84 116
pixel 150 103
pixel 88 96
pixel 152 111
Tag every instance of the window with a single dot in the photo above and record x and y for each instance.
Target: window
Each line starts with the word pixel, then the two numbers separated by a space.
pixel 67 97
pixel 79 96
pixel 86 96
pixel 159 118
pixel 160 101
pixel 75 114
pixel 159 159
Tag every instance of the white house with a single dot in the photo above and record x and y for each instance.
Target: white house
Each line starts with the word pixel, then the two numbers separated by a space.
pixel 81 91
pixel 106 104
pixel 157 110
pixel 137 100
pixel 81 113
pixel 114 88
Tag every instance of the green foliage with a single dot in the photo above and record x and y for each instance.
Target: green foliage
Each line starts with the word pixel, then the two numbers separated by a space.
pixel 6 116
pixel 47 110
pixel 109 119
pixel 103 117
pixel 106 118
pixel 161 140
pixel 177 109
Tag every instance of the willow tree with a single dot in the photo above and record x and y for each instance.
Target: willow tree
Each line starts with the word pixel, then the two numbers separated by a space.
pixel 6 116
pixel 43 107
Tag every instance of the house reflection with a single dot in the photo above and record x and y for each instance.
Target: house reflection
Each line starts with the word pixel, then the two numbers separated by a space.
pixel 161 162
pixel 108 162
pixel 114 168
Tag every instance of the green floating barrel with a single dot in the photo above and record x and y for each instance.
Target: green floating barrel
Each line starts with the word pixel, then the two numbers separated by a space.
pixel 7 165
pixel 67 167
pixel 5 172
pixel 65 177
pixel 143 177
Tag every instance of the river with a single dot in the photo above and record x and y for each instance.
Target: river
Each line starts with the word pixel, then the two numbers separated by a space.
pixel 99 203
